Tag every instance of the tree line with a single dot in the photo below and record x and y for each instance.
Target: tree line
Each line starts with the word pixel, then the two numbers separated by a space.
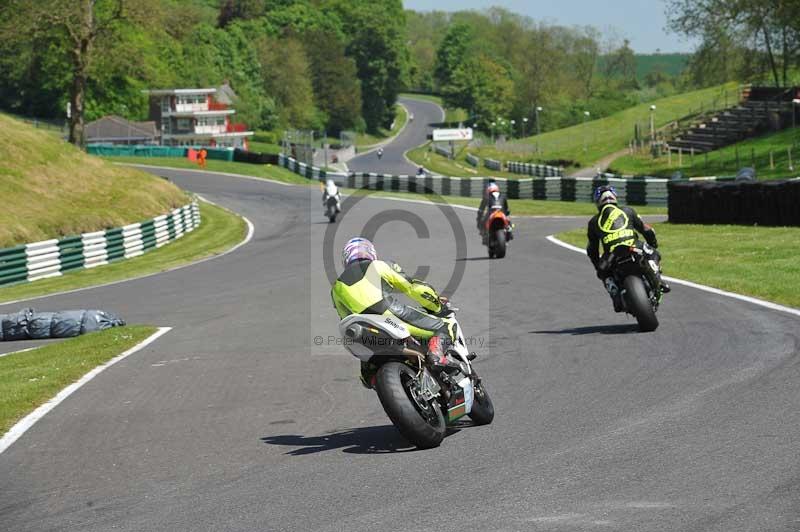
pixel 340 64
pixel 311 64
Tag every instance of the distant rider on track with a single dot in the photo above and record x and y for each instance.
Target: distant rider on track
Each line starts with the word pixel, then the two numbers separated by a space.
pixel 492 200
pixel 331 190
pixel 616 226
pixel 366 286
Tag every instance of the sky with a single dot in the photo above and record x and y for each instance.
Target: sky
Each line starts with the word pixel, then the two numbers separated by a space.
pixel 640 21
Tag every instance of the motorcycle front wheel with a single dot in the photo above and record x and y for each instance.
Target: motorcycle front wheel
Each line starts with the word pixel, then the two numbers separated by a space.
pixel 420 422
pixel 482 412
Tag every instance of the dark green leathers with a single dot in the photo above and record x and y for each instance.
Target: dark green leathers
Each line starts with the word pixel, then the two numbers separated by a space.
pixel 615 226
pixel 365 287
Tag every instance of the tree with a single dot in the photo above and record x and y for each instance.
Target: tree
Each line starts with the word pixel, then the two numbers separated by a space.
pixel 337 90
pixel 376 32
pixel 286 77
pixel 231 10
pixel 483 86
pixel 770 26
pixel 453 52
pixel 79 25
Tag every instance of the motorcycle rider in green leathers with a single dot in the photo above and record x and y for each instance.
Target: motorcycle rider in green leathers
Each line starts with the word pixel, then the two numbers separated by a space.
pixel 366 286
pixel 615 226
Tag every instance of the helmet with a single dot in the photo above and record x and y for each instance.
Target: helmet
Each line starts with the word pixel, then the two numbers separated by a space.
pixel 492 188
pixel 603 195
pixel 358 249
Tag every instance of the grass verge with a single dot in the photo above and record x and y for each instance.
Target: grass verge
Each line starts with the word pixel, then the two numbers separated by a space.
pixel 520 207
pixel 219 231
pixel 769 155
pixel 754 261
pixel 458 167
pixel 589 142
pixel 31 378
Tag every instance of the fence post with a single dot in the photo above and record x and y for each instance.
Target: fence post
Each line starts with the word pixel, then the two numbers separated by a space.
pixel 771 161
pixel 669 158
pixel 680 157
pixel 791 166
pixel 692 156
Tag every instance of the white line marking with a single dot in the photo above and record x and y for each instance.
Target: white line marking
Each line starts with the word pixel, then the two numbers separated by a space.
pixel 753 300
pixel 250 232
pixel 27 422
pixel 20 351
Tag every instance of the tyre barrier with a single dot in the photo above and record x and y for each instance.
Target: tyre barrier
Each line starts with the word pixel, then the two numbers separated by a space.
pixel 635 191
pixel 51 258
pixel 537 170
pixel 769 203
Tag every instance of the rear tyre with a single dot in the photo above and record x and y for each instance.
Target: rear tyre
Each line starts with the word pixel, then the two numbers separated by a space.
pixel 482 412
pixel 639 304
pixel 332 218
pixel 421 424
pixel 500 243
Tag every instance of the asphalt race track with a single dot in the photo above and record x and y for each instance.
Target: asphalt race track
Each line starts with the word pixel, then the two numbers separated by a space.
pixel 237 421
pixel 414 134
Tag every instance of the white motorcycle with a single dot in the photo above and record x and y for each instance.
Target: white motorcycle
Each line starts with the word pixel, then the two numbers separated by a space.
pixel 420 398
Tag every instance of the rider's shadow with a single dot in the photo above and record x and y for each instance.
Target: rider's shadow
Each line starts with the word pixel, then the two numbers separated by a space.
pixel 363 440
pixel 626 328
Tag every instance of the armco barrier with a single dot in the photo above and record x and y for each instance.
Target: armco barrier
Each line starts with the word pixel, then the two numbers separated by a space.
pixel 50 258
pixel 491 164
pixel 769 203
pixel 635 191
pixel 537 170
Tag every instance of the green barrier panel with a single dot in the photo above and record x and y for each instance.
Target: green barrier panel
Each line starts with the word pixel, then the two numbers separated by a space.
pixel 11 251
pixel 13 277
pixel 219 154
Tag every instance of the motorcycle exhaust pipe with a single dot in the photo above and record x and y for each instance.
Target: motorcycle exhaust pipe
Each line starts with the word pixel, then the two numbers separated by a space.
pixel 354 332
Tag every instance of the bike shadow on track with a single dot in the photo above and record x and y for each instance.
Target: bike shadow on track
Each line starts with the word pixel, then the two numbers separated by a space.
pixel 364 440
pixel 626 328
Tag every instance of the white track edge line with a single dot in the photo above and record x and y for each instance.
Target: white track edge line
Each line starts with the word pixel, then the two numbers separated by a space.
pixel 248 238
pixel 717 291
pixel 27 422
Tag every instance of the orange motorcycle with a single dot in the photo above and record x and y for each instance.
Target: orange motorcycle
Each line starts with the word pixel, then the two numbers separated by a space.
pixel 497 233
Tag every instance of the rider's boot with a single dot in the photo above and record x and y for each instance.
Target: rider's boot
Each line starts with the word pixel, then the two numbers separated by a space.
pixel 613 291
pixel 368 375
pixel 436 355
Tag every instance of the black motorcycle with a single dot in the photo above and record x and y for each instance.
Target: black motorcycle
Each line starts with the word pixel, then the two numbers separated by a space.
pixel 331 208
pixel 635 271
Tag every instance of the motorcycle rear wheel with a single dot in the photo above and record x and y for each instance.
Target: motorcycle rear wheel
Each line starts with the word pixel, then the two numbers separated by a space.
pixel 639 304
pixel 422 425
pixel 500 243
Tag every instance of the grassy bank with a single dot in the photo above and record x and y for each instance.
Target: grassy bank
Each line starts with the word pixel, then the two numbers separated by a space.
pixel 31 378
pixel 458 167
pixel 367 140
pixel 51 189
pixel 219 231
pixel 768 154
pixel 754 261
pixel 589 142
